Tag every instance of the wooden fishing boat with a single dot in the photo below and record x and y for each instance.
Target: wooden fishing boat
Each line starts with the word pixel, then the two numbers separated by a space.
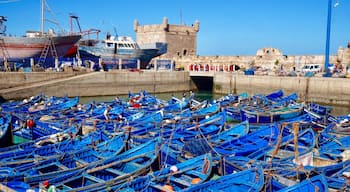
pixel 320 114
pixel 247 180
pixel 177 150
pixel 334 148
pixel 231 132
pixel 175 105
pixel 340 179
pixel 176 177
pixel 271 113
pixel 206 111
pixel 287 148
pixel 66 164
pixel 22 106
pixel 339 128
pixel 242 146
pixel 112 171
pixel 54 146
pixel 5 130
pixel 181 130
pixel 317 183
pixel 53 104
pixel 273 96
pixel 293 97
pixel 205 127
pixel 228 100
pixel 199 146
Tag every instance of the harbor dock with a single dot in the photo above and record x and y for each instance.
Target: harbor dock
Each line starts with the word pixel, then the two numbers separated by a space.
pixel 19 85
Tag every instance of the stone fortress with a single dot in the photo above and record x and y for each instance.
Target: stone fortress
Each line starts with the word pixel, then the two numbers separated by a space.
pixel 182 49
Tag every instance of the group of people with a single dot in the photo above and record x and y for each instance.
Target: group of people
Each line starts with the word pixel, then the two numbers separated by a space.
pixel 191 98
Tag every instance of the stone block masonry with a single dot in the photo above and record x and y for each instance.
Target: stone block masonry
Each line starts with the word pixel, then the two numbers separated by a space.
pixel 100 84
pixel 332 91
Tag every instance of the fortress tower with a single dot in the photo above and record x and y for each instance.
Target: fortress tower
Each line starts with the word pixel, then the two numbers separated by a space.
pixel 181 39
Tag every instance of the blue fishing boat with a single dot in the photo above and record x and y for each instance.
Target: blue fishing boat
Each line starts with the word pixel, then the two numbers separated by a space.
pixel 5 130
pixel 230 132
pixel 205 127
pixel 228 100
pixel 176 177
pixel 317 183
pixel 177 150
pixel 175 105
pixel 198 146
pixel 340 128
pixel 53 146
pixel 273 96
pixel 271 113
pixel 247 180
pixel 66 164
pixel 17 186
pixel 286 148
pixel 201 113
pixel 258 140
pixel 334 147
pixel 340 179
pixel 112 171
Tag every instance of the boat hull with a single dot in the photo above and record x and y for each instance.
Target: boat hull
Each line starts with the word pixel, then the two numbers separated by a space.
pixel 111 58
pixel 27 47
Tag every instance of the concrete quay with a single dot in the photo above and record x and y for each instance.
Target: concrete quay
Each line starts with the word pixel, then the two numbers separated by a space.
pixel 330 91
pixel 25 85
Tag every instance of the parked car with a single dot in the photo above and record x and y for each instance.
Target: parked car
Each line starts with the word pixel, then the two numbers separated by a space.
pixel 315 68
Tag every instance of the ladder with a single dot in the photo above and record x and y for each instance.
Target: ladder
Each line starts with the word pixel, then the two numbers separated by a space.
pixel 50 45
pixel 5 54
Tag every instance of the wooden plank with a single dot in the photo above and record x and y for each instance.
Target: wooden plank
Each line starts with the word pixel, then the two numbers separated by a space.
pixel 94 178
pixel 4 188
pixel 161 188
pixel 117 172
pixel 180 181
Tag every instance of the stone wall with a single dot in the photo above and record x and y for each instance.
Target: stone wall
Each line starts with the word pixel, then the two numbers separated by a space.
pixel 181 39
pixel 333 91
pixel 15 79
pixel 272 62
pixel 102 83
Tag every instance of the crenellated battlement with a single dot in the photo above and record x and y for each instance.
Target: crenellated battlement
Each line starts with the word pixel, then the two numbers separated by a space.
pixel 181 39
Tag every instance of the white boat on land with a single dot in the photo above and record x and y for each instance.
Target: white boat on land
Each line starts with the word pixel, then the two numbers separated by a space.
pixel 112 49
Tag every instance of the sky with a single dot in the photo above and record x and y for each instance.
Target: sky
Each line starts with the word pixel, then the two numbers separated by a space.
pixel 227 27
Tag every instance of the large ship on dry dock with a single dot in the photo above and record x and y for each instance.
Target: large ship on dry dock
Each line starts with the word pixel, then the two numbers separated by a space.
pixel 34 43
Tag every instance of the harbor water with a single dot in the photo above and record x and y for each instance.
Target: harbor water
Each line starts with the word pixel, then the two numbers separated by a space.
pixel 337 110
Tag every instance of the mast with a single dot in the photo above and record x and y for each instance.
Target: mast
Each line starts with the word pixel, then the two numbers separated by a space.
pixel 42 17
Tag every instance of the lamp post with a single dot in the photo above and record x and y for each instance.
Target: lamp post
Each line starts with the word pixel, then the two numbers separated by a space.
pixel 329 18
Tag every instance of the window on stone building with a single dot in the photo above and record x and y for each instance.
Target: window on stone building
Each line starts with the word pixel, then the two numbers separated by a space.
pixel 185 52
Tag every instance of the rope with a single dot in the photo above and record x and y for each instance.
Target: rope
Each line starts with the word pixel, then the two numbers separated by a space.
pixel 296 133
pixel 274 153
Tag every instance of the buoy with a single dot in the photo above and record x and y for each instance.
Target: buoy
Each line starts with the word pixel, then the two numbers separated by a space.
pixel 46 183
pixel 136 105
pixel 195 180
pixel 168 188
pixel 30 123
pixel 173 169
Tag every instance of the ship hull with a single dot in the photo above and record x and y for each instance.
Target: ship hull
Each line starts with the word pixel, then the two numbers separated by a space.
pixel 109 56
pixel 27 47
